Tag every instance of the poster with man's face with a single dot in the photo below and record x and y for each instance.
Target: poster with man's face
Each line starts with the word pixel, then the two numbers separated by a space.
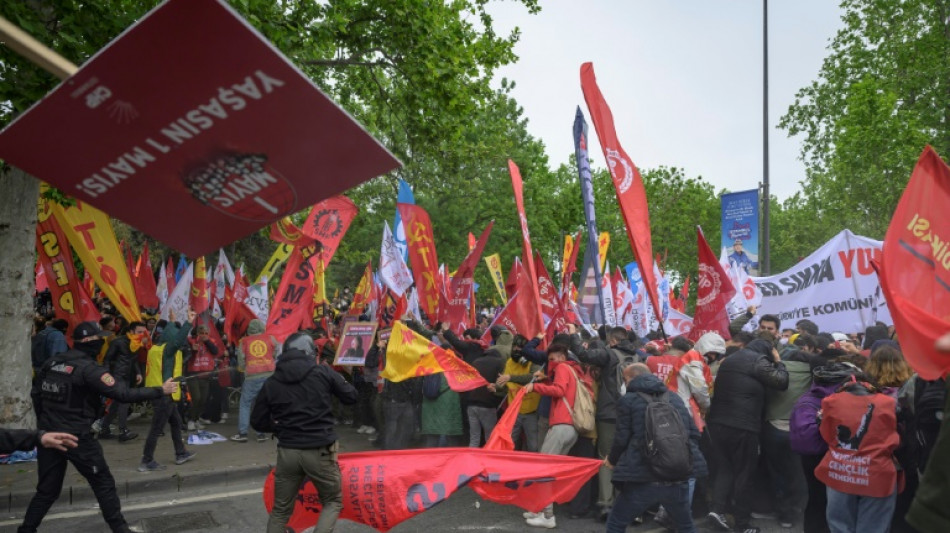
pixel 355 342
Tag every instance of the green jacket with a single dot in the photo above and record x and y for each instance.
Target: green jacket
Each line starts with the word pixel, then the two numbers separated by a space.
pixel 779 404
pixel 443 415
pixel 174 339
pixel 929 511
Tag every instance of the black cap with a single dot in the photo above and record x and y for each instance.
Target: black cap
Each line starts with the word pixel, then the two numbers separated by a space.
pixel 86 329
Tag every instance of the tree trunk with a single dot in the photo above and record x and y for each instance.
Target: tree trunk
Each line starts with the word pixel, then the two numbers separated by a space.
pixel 17 253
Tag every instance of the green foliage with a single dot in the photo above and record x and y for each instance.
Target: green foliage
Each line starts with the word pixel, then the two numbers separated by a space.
pixel 882 93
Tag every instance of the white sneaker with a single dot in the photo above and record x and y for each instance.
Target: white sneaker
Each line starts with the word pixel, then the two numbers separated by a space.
pixel 224 416
pixel 133 416
pixel 370 430
pixel 362 429
pixel 97 426
pixel 529 514
pixel 191 425
pixel 204 421
pixel 542 521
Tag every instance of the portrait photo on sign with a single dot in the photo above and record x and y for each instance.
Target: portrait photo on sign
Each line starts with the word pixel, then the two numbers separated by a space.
pixel 355 342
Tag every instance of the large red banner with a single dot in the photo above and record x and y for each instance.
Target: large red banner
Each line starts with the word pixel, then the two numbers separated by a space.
pixel 422 256
pixel 192 110
pixel 382 490
pixel 293 298
pixel 713 292
pixel 535 317
pixel 462 290
pixel 631 195
pixel 915 269
pixel 328 222
pixel 145 289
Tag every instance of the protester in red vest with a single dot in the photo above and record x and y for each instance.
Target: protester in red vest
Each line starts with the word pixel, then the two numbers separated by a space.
pixel 201 365
pixel 256 353
pixel 859 424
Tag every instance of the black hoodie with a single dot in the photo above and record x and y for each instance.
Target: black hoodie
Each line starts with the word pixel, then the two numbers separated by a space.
pixel 296 402
pixel 740 386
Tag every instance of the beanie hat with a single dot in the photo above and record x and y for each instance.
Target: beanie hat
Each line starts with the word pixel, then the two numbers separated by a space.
pixel 255 327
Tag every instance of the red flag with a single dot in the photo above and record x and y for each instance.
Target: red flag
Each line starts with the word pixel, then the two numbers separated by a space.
pixel 55 260
pixel 40 277
pixel 391 308
pixel 237 315
pixel 88 283
pixel 129 264
pixel 408 482
pixel 713 292
pixel 511 284
pixel 548 294
pixel 145 290
pixel 631 195
pixel 684 290
pixel 471 241
pixel 292 300
pixel 915 269
pixel 517 315
pixel 571 262
pixel 284 231
pixel 362 294
pixel 170 275
pixel 462 289
pixel 500 438
pixel 328 222
pixel 422 256
pixel 535 317
pixel 199 287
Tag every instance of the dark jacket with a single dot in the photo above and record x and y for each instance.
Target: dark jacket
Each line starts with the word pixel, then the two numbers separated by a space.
pixel 122 363
pixel 67 389
pixel 469 350
pixel 739 395
pixel 490 366
pixel 531 352
pixel 626 451
pixel 24 440
pixel 607 359
pixel 296 403
pixel 173 338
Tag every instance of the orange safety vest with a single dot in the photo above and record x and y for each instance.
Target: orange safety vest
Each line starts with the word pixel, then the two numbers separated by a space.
pixel 258 354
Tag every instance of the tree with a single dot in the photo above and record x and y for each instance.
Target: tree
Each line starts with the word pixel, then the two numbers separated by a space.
pixel 882 93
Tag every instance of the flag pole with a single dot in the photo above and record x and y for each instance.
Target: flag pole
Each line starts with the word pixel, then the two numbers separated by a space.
pixel 36 52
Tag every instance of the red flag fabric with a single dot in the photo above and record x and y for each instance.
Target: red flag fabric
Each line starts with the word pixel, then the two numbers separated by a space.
pixel 546 291
pixel 471 241
pixel 404 483
pixel 631 195
pixel 198 299
pixel 237 315
pixel 535 316
pixel 328 222
pixel 55 260
pixel 145 289
pixel 40 277
pixel 361 296
pixel 915 268
pixel 500 438
pixel 518 313
pixel 391 308
pixel 284 231
pixel 422 256
pixel 170 275
pixel 511 284
pixel 292 300
pixel 88 283
pixel 571 262
pixel 462 289
pixel 713 292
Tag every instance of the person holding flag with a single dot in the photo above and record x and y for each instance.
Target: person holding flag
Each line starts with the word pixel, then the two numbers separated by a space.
pixel 256 353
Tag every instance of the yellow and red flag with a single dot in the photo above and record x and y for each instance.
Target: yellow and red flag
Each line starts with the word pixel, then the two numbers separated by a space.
pixel 199 287
pixel 422 256
pixel 603 242
pixel 498 280
pixel 410 355
pixel 363 293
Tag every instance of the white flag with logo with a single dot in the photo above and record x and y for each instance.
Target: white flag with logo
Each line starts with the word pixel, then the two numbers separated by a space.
pixel 392 269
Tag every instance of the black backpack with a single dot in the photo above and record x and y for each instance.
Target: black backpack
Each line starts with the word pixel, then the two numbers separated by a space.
pixel 666 443
pixel 38 348
pixel 432 386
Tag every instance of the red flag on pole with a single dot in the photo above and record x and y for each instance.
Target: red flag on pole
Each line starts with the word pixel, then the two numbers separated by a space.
pixel 535 317
pixel 462 289
pixel 500 438
pixel 199 287
pixel 145 290
pixel 713 292
pixel 511 284
pixel 631 195
pixel 328 222
pixel 292 300
pixel 422 256
pixel 170 275
pixel 915 269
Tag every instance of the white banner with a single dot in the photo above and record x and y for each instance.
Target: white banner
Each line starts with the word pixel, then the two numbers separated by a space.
pixel 223 275
pixel 677 323
pixel 257 299
pixel 392 269
pixel 835 287
pixel 178 299
pixel 161 290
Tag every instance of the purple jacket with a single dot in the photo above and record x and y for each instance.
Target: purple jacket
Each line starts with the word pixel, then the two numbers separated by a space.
pixel 803 425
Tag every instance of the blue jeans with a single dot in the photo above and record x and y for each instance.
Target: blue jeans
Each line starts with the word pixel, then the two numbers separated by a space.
pixel 848 513
pixel 634 498
pixel 249 391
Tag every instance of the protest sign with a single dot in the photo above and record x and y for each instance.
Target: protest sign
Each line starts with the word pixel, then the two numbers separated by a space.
pixel 355 343
pixel 173 116
pixel 740 229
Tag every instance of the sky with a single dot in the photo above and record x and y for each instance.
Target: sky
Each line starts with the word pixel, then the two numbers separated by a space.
pixel 683 79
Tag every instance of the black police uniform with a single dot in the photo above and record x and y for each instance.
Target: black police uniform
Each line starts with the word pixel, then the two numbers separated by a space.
pixel 66 398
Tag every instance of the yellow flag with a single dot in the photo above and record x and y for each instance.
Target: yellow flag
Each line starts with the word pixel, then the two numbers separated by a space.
pixel 494 268
pixel 319 283
pixel 90 234
pixel 568 248
pixel 408 355
pixel 280 255
pixel 602 244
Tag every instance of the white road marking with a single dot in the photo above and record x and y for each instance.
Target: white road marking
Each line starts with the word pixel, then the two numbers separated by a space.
pixel 142 506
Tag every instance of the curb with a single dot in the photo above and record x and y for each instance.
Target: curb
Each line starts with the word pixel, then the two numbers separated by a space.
pixel 81 493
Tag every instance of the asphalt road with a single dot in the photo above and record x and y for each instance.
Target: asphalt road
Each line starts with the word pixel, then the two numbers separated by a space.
pixel 239 508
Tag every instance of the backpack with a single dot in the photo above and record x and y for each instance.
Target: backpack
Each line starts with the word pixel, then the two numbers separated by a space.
pixel 38 348
pixel 623 360
pixel 582 414
pixel 666 442
pixel 432 386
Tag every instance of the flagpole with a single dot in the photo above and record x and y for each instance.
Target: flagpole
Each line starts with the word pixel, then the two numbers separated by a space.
pixel 764 260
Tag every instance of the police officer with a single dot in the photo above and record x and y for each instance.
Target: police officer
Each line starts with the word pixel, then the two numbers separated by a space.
pixel 66 398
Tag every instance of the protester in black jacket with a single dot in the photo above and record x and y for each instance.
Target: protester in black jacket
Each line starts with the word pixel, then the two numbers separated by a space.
pixel 24 440
pixel 296 404
pixel 468 347
pixel 639 487
pixel 734 423
pixel 482 403
pixel 124 366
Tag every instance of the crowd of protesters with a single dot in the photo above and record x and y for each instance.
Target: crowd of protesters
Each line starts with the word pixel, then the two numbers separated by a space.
pixel 826 430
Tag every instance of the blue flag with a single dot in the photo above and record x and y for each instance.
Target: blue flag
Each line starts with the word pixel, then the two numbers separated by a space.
pixel 180 269
pixel 399 231
pixel 591 297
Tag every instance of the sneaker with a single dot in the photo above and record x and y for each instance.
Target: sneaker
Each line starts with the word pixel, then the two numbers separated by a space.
pixel 224 417
pixel 105 435
pixel 191 425
pixel 261 437
pixel 127 435
pixel 762 516
pixel 370 430
pixel 603 514
pixel 374 438
pixel 240 437
pixel 543 521
pixel 133 416
pixel 151 466
pixel 529 514
pixel 182 459
pixel 747 530
pixel 662 518
pixel 347 421
pixel 786 524
pixel 361 429
pixel 204 421
pixel 719 520
pixel 97 426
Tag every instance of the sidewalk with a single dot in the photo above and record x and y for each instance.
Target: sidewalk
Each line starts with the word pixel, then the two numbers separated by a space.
pixel 219 464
